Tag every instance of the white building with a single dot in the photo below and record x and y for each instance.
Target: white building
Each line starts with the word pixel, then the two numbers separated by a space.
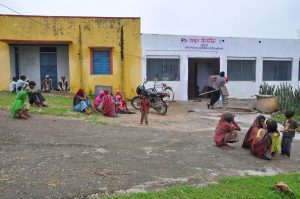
pixel 185 62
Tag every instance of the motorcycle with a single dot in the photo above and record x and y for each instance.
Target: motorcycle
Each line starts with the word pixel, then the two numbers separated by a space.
pixel 156 99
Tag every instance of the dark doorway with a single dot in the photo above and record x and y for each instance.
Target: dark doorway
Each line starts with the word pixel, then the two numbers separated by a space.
pixel 200 70
pixel 48 60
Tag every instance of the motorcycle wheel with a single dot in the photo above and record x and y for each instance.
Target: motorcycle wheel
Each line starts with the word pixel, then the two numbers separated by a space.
pixel 136 102
pixel 170 93
pixel 161 107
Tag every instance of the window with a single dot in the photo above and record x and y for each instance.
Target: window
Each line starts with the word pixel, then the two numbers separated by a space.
pixel 241 70
pixel 101 62
pixel 277 70
pixel 163 69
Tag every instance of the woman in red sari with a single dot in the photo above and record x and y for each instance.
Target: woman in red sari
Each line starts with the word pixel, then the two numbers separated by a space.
pixel 108 107
pixel 226 130
pixel 262 143
pixel 258 123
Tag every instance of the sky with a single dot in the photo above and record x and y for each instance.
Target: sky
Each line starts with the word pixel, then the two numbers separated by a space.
pixel 223 18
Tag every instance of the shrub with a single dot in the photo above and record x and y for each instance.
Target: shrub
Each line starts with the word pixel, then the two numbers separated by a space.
pixel 288 97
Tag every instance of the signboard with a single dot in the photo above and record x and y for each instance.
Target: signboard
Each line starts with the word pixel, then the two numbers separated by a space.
pixel 203 43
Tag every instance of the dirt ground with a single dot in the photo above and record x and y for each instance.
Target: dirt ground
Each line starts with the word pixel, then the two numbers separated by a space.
pixel 55 157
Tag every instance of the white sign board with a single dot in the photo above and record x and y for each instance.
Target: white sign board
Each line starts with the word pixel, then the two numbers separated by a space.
pixel 203 43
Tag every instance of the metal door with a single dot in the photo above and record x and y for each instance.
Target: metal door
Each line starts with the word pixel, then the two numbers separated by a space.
pixel 48 63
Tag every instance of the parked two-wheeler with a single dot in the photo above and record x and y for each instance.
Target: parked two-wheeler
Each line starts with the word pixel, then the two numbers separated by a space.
pixel 156 99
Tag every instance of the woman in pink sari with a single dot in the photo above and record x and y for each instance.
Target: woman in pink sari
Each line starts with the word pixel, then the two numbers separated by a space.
pixel 99 100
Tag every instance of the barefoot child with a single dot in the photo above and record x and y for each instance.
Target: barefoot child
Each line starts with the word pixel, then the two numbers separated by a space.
pixel 20 106
pixel 290 127
pixel 145 106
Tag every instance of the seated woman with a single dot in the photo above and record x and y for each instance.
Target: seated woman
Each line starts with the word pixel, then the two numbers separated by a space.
pixel 258 123
pixel 226 130
pixel 121 105
pixel 82 103
pixel 263 144
pixel 20 106
pixel 99 101
pixel 108 105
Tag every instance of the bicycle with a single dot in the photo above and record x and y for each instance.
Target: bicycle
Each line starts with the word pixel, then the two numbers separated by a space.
pixel 164 88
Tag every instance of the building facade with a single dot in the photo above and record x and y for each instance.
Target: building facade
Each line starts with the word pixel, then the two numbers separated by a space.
pixel 91 52
pixel 187 62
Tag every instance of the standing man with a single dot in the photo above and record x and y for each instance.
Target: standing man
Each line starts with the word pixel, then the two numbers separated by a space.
pixel 218 81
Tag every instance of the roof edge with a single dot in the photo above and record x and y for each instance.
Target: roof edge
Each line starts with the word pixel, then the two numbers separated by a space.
pixel 85 17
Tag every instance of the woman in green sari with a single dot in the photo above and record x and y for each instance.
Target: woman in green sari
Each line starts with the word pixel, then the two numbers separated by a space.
pixel 20 106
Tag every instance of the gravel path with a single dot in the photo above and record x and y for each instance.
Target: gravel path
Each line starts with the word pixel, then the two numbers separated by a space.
pixel 54 157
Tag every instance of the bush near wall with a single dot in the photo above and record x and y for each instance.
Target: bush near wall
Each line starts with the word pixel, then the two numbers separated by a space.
pixel 288 97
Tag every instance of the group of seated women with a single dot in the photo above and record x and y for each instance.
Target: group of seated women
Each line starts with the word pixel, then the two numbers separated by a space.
pixel 262 138
pixel 104 103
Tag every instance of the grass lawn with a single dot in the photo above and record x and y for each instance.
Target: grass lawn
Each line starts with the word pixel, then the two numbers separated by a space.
pixel 236 187
pixel 58 106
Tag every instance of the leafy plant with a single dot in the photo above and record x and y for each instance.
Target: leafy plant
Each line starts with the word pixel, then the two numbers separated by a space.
pixel 288 97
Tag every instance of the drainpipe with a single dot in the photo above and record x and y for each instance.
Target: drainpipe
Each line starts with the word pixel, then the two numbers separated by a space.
pixel 122 59
pixel 80 57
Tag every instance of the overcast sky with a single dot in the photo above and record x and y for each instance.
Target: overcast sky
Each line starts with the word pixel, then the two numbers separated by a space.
pixel 233 18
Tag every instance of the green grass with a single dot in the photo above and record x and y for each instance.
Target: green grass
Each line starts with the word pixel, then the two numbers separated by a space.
pixel 280 118
pixel 58 106
pixel 235 187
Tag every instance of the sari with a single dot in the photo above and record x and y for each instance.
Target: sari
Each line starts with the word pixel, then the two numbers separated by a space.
pixel 262 144
pixel 108 105
pixel 99 98
pixel 79 104
pixel 18 104
pixel 121 105
pixel 225 127
pixel 251 133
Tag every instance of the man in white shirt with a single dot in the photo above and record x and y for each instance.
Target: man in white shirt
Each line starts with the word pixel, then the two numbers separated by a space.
pixel 12 86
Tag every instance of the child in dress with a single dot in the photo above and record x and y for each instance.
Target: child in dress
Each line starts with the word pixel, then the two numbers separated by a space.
pixel 145 106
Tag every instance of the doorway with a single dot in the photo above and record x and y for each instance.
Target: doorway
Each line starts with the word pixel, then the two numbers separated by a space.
pixel 48 62
pixel 199 72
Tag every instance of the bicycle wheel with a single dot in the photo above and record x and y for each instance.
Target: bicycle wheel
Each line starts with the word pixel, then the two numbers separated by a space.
pixel 170 93
pixel 136 102
pixel 161 107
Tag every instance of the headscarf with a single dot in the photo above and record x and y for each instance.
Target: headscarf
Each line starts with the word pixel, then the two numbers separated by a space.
pixel 80 93
pixel 257 121
pixel 99 98
pixel 21 98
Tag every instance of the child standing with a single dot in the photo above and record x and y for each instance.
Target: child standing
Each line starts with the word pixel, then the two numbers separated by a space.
pixel 290 127
pixel 145 106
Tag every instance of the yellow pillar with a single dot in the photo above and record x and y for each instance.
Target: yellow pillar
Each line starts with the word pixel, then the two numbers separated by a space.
pixel 4 67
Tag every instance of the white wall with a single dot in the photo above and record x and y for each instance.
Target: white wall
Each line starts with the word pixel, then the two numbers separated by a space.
pixel 163 46
pixel 29 63
pixel 63 62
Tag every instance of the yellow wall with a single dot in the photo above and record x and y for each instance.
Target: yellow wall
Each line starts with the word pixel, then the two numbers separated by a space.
pixel 84 33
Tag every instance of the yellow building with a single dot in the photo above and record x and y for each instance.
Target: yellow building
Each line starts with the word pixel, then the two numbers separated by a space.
pixel 92 52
